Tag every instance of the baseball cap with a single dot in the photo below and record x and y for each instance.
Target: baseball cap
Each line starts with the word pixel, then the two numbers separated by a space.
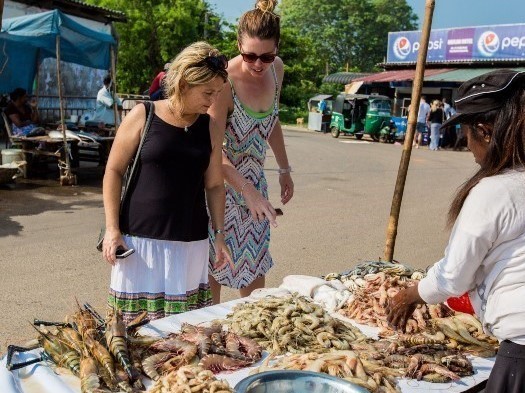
pixel 485 93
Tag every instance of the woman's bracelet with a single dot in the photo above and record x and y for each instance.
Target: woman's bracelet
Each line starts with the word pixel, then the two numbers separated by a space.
pixel 282 171
pixel 244 185
pixel 218 231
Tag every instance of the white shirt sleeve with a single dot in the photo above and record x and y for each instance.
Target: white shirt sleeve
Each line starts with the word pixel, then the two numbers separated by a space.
pixel 473 235
pixel 104 97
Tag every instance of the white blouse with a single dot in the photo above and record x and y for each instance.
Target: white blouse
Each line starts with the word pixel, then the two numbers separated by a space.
pixel 486 256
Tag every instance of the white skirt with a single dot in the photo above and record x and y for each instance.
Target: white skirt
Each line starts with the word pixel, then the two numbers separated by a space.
pixel 161 277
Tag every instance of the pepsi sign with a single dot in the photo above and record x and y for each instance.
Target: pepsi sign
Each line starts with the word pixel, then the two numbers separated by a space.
pixel 463 44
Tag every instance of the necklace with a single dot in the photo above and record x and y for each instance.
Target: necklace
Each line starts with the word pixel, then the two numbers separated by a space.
pixel 181 118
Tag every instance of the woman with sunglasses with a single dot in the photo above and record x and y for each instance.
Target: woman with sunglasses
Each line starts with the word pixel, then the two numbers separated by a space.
pixel 163 217
pixel 249 111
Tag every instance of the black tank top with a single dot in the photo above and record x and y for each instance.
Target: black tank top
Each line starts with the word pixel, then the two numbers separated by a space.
pixel 167 199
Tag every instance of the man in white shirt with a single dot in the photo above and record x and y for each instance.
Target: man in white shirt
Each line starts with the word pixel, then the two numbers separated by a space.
pixel 422 121
pixel 104 112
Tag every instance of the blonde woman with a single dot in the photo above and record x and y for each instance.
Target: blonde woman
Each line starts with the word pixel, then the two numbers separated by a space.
pixel 435 118
pixel 248 109
pixel 164 219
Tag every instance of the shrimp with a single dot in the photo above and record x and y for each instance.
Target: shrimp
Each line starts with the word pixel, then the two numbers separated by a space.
pixel 116 340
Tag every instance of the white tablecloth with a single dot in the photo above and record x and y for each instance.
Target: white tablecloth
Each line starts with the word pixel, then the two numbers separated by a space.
pixel 40 378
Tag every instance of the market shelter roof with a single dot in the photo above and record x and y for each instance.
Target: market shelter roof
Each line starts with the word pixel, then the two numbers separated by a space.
pixel 398 75
pixel 463 74
pixel 79 8
pixel 29 38
pixel 344 77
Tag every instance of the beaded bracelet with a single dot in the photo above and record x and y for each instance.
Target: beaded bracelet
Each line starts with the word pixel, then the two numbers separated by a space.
pixel 244 185
pixel 282 171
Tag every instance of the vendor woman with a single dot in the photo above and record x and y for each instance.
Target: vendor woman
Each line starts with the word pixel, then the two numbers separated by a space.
pixel 486 251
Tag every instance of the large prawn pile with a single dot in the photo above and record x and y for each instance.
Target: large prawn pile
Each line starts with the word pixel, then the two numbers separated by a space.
pixel 291 324
pixel 107 356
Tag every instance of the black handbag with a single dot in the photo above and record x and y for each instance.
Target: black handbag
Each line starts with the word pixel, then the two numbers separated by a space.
pixel 131 171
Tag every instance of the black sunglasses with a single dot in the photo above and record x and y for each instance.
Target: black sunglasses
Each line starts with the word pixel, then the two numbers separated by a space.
pixel 252 57
pixel 215 63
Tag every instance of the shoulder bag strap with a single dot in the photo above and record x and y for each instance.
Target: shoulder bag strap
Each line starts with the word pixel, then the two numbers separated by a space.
pixel 150 110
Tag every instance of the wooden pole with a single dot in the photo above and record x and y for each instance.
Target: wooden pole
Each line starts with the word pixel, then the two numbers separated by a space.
pixel 114 86
pixel 61 103
pixel 1 12
pixel 409 137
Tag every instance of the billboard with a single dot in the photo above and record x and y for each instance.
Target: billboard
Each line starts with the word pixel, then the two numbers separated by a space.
pixel 480 43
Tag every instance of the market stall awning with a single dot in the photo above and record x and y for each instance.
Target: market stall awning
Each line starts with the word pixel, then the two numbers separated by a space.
pixel 320 97
pixel 344 77
pixel 463 74
pixel 25 40
pixel 398 75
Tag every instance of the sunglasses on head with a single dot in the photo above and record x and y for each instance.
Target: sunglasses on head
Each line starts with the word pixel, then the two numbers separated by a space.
pixel 215 63
pixel 252 57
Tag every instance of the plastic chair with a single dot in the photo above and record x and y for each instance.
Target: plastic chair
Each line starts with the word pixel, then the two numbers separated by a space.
pixel 17 142
pixel 13 141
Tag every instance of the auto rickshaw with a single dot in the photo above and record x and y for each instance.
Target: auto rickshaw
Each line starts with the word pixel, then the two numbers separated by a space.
pixel 359 114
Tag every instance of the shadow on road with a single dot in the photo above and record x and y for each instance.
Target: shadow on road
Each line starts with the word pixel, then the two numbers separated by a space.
pixel 27 197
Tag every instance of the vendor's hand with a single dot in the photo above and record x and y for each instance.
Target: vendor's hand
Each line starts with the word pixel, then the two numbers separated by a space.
pixel 222 253
pixel 286 182
pixel 401 307
pixel 33 103
pixel 112 241
pixel 260 208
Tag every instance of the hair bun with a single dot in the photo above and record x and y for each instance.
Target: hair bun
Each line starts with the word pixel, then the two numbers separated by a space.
pixel 266 5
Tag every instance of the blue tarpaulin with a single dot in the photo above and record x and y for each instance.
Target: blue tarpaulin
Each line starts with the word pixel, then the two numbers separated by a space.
pixel 26 40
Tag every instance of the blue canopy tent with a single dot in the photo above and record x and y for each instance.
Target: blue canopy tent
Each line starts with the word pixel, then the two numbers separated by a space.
pixel 26 40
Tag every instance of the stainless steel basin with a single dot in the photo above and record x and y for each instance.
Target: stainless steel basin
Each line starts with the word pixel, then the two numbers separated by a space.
pixel 292 381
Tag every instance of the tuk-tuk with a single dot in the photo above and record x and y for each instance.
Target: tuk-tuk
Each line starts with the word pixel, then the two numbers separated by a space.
pixel 359 114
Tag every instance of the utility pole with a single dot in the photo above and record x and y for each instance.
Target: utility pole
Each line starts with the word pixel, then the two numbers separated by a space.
pixel 206 21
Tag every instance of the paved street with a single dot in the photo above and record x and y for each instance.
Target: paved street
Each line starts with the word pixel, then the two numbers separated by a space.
pixel 338 218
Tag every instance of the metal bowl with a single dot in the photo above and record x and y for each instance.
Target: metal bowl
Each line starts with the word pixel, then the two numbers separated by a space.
pixel 292 381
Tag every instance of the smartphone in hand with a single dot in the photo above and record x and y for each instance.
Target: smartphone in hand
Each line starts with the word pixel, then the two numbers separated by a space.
pixel 121 253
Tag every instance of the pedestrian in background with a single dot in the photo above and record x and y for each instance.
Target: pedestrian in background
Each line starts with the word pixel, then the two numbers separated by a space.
pixel 104 112
pixel 485 255
pixel 156 90
pixel 249 112
pixel 422 121
pixel 164 217
pixel 435 118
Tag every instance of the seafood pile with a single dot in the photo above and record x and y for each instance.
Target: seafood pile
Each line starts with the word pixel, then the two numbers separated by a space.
pixel 291 324
pixel 343 364
pixel 209 347
pixel 92 348
pixel 190 379
pixel 354 279
pixel 376 365
pixel 107 356
pixel 369 301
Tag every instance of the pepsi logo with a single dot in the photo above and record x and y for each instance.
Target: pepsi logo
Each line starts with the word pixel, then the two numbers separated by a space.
pixel 402 47
pixel 488 43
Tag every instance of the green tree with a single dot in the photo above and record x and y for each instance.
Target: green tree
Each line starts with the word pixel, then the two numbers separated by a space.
pixel 155 32
pixel 348 32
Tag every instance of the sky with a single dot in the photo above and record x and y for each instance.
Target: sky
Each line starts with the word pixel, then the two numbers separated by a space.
pixel 447 13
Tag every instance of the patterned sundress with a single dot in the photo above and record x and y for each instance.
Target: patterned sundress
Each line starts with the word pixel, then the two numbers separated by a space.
pixel 245 145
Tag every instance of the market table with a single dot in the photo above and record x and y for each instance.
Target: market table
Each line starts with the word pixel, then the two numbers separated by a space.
pixel 39 378
pixel 32 145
